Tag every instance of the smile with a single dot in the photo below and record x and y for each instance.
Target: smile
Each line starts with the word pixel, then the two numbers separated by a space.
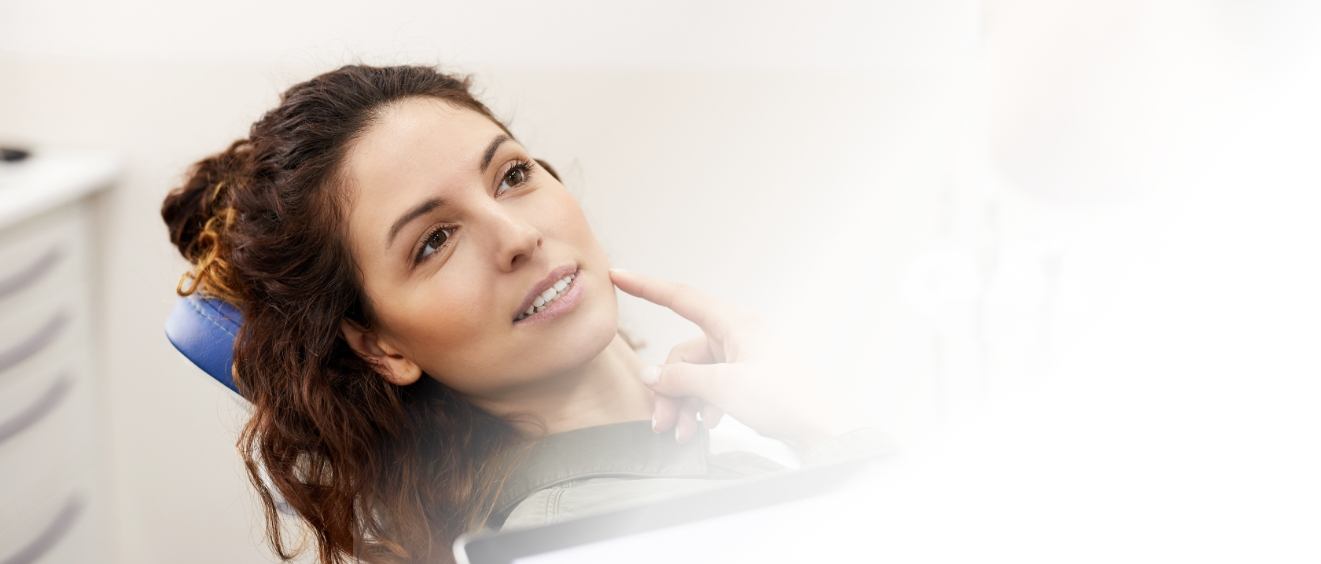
pixel 556 300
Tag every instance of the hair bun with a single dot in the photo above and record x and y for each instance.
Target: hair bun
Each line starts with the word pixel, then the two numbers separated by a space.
pixel 199 212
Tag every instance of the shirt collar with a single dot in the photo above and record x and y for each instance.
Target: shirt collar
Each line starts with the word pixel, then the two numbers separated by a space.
pixel 629 448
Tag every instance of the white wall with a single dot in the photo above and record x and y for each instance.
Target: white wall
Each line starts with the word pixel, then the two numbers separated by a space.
pixel 1079 204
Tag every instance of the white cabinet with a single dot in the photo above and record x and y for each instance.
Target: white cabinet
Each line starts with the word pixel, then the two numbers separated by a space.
pixel 51 462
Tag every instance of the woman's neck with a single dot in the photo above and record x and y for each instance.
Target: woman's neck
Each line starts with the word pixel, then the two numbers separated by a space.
pixel 605 390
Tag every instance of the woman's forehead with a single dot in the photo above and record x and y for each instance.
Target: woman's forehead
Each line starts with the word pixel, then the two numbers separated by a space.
pixel 419 137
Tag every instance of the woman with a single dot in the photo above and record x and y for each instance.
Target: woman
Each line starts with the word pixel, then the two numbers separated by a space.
pixel 430 338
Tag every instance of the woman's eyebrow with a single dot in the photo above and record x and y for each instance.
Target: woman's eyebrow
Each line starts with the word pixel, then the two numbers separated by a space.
pixel 436 203
pixel 490 150
pixel 417 211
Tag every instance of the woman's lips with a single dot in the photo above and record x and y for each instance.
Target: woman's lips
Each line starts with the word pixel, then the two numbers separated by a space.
pixel 563 304
pixel 541 286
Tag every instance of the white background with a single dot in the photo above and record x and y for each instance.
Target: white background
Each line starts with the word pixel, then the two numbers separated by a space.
pixel 1064 251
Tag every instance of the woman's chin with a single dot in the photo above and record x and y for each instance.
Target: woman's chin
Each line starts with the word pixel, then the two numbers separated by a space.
pixel 587 336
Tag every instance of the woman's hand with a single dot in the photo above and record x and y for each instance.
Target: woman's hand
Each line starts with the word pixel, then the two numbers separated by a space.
pixel 737 367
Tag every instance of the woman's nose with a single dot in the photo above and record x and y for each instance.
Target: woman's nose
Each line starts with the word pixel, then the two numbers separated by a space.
pixel 516 240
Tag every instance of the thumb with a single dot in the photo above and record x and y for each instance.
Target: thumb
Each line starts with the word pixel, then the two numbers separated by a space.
pixel 679 379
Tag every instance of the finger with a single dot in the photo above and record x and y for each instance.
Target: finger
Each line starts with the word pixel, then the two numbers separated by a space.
pixel 664 413
pixel 711 415
pixel 686 426
pixel 694 351
pixel 665 410
pixel 713 317
pixel 704 381
pixel 697 351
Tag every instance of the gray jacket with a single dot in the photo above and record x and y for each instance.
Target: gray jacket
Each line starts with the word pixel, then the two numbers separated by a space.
pixel 611 466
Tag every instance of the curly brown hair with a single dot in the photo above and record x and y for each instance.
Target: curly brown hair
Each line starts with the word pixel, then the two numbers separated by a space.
pixel 378 472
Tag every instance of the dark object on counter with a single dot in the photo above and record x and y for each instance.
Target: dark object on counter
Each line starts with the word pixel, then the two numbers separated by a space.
pixel 12 155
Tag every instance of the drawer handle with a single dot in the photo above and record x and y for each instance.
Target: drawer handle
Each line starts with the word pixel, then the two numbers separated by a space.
pixel 31 273
pixel 39 409
pixel 34 343
pixel 51 535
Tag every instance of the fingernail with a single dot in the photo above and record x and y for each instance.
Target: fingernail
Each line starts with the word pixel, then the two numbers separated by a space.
pixel 623 270
pixel 653 423
pixel 650 375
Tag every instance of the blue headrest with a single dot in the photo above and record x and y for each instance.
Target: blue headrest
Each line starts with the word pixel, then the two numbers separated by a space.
pixel 203 329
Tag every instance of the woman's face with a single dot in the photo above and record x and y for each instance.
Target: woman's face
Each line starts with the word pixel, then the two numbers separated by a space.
pixel 452 224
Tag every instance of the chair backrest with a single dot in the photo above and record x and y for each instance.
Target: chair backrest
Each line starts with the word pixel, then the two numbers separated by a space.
pixel 203 329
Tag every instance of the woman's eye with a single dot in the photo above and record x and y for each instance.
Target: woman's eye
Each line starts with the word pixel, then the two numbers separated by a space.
pixel 434 242
pixel 516 176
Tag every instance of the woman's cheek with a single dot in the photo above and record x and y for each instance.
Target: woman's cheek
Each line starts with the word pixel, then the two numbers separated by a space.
pixel 571 220
pixel 447 317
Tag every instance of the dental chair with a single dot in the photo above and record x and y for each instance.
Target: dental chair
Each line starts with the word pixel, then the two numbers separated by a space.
pixel 203 329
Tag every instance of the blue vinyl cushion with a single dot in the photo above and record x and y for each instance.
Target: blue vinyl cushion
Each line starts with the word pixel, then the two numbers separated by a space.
pixel 203 329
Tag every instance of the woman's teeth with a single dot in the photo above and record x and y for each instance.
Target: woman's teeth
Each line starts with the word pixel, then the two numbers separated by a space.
pixel 548 296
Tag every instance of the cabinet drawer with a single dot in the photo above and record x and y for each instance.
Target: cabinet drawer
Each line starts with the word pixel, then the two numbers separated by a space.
pixel 43 288
pixel 30 250
pixel 48 531
pixel 49 479
pixel 25 243
pixel 44 445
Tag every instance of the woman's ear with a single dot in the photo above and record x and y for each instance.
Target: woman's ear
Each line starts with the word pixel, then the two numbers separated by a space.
pixel 381 355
